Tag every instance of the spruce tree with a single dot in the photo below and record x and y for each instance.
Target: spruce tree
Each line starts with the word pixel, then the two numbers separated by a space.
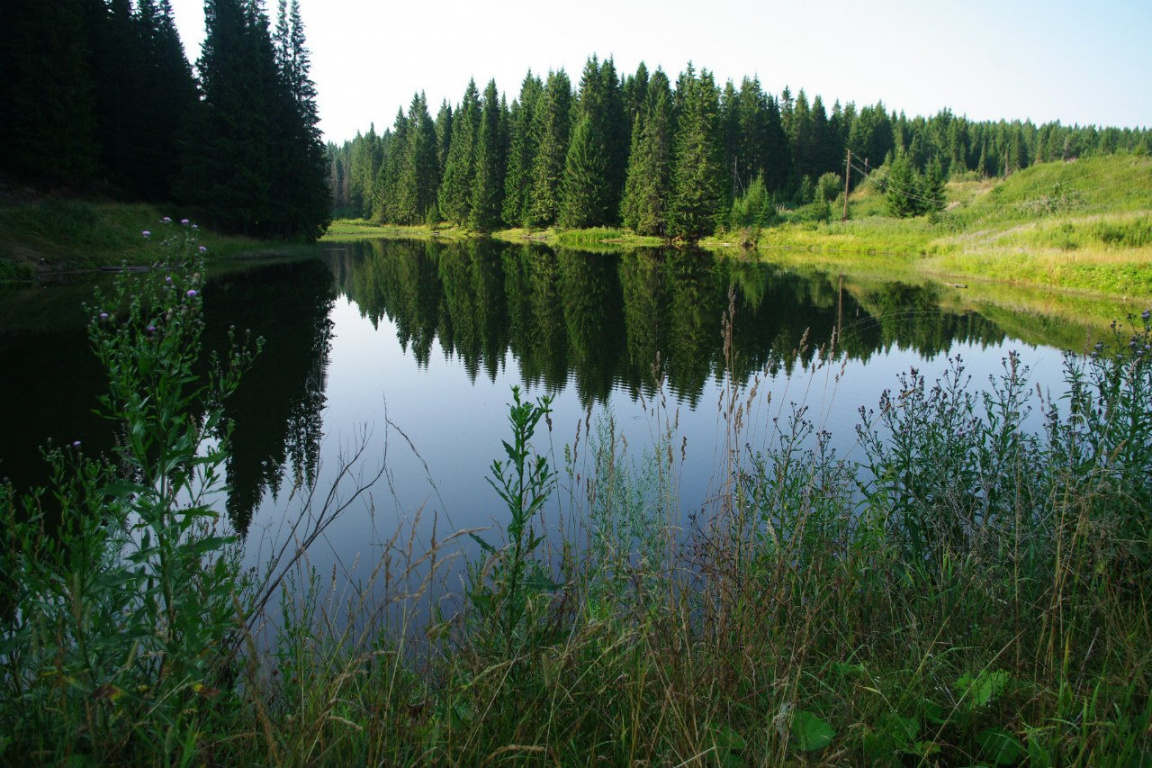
pixel 551 126
pixel 522 152
pixel 649 183
pixel 420 173
pixel 46 93
pixel 697 181
pixel 488 183
pixel 455 195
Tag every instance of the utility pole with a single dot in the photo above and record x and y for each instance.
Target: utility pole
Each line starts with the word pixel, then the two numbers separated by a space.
pixel 847 175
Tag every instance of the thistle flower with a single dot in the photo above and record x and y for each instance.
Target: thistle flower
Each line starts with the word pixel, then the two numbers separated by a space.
pixel 183 222
pixel 192 294
pixel 146 233
pixel 203 249
pixel 166 220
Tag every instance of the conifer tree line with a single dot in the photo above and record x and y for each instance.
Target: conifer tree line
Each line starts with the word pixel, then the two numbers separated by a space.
pixel 97 95
pixel 669 159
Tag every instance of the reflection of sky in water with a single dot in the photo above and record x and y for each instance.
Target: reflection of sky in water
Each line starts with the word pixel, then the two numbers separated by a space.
pixel 456 423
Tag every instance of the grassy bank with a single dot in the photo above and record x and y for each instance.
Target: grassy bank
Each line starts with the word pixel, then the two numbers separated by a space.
pixel 957 592
pixel 62 235
pixel 1081 227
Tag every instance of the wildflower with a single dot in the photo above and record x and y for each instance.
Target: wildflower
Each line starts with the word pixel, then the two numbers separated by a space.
pixel 146 233
pixel 203 249
pixel 166 220
pixel 183 222
pixel 195 226
pixel 103 315
pixel 168 280
pixel 76 444
pixel 151 329
pixel 1146 314
pixel 192 294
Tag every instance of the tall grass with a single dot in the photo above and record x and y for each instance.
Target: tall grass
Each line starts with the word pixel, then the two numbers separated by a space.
pixel 957 591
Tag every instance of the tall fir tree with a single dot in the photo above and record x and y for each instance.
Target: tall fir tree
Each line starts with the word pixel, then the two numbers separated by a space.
pixel 455 196
pixel 48 126
pixel 648 187
pixel 522 151
pixel 697 200
pixel 551 125
pixel 420 174
pixel 488 177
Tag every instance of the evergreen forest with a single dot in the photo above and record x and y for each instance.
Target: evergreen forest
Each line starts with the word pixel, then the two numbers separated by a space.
pixel 679 159
pixel 98 98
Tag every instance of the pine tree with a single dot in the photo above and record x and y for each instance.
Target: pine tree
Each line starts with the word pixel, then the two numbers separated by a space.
pixel 649 183
pixel 46 92
pixel 593 169
pixel 697 186
pixel 420 174
pixel 522 152
pixel 551 126
pixel 902 188
pixel 455 196
pixel 488 184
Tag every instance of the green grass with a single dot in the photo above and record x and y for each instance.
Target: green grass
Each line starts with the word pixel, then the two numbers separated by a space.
pixel 1080 227
pixel 66 234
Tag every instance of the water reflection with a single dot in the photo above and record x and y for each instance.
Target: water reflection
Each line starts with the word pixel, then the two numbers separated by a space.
pixel 592 324
pixel 602 320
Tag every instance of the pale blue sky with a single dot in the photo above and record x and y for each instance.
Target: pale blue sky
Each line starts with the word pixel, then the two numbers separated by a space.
pixel 1077 62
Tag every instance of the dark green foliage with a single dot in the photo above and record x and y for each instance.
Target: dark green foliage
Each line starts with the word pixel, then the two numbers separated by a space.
pixel 755 208
pixel 253 159
pixel 910 193
pixel 455 195
pixel 697 181
pixel 598 158
pixel 411 175
pixel 47 95
pixel 489 160
pixel 594 162
pixel 522 151
pixel 649 181
pixel 551 127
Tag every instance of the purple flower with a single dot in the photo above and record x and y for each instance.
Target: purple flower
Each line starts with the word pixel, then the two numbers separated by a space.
pixel 103 315
pixel 183 222
pixel 168 280
pixel 151 329
pixel 76 444
pixel 192 294
pixel 1146 314
pixel 195 226
pixel 203 249
pixel 166 220
pixel 146 233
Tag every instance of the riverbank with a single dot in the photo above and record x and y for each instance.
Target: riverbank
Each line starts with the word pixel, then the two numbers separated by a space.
pixel 1082 227
pixel 49 236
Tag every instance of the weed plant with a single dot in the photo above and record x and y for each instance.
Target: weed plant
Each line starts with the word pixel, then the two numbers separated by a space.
pixel 956 591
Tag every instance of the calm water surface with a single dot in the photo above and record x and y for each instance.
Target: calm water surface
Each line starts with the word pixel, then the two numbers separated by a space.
pixel 410 350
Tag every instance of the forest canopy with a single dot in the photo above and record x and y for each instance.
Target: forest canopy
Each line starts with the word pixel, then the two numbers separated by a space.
pixel 97 96
pixel 677 160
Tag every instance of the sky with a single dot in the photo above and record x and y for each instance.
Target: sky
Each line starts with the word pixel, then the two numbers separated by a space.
pixel 1077 62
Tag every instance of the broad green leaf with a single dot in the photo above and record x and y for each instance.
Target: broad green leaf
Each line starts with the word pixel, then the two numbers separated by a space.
pixel 810 732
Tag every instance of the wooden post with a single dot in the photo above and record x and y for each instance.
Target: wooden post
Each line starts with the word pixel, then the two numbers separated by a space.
pixel 847 175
